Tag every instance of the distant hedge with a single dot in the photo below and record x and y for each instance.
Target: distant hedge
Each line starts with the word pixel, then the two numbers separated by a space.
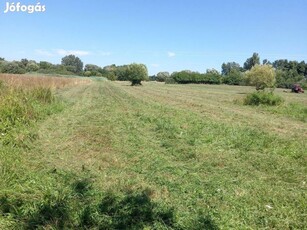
pixel 185 77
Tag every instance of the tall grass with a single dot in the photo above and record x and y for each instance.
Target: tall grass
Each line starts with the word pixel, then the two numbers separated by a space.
pixel 294 110
pixel 25 100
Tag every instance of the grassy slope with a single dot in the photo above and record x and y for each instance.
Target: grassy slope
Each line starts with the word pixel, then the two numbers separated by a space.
pixel 191 146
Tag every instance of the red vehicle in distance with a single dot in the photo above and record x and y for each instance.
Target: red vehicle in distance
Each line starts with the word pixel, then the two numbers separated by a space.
pixel 297 89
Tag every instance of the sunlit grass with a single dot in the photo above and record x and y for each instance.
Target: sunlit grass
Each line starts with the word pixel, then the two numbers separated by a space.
pixel 160 157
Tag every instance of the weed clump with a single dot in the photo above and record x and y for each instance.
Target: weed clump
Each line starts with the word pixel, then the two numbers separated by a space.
pixel 42 94
pixel 263 98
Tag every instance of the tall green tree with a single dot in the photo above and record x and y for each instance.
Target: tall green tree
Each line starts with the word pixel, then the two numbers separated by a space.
pixel 252 61
pixel 24 62
pixel 162 76
pixel 13 67
pixel 136 73
pixel 32 66
pixel 302 68
pixel 261 76
pixel 229 66
pixel 280 64
pixel 266 62
pixel 45 65
pixel 120 73
pixel 73 63
pixel 92 70
pixel 234 77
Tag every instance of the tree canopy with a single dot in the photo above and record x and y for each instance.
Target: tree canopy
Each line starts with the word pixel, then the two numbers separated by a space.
pixel 136 73
pixel 162 76
pixel 252 61
pixel 73 63
pixel 288 72
pixel 228 67
pixel 261 76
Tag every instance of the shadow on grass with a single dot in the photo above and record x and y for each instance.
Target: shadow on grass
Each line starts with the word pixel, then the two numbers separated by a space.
pixel 79 209
pixel 133 210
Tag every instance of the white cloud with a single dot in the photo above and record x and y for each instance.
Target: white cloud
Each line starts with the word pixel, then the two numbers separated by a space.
pixel 104 53
pixel 171 54
pixel 43 53
pixel 63 52
pixel 155 65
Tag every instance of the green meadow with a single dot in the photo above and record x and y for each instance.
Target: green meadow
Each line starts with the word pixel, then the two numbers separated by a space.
pixel 80 153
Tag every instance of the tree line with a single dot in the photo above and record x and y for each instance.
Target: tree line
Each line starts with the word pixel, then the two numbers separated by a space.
pixel 69 65
pixel 232 73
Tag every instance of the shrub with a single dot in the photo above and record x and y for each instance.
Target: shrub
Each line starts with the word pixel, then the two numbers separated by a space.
pixel 87 74
pixel 188 77
pixel 12 67
pixel 32 67
pixel 287 78
pixel 263 98
pixel 162 76
pixel 110 76
pixel 234 77
pixel 170 80
pixel 261 76
pixel 303 85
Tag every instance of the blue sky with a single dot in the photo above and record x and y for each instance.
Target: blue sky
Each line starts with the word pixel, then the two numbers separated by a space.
pixel 166 35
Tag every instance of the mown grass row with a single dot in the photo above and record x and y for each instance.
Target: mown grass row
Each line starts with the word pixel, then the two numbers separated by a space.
pixel 32 197
pixel 229 175
pixel 233 173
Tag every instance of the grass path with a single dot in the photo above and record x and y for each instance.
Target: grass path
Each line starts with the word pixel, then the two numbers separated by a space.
pixel 153 138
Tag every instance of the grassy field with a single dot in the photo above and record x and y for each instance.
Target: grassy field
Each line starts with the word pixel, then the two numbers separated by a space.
pixel 158 157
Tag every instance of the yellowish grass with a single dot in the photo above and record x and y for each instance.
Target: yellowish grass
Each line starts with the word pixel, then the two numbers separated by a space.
pixel 32 81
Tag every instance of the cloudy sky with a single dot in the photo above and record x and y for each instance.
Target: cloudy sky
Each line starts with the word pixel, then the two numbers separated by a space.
pixel 166 35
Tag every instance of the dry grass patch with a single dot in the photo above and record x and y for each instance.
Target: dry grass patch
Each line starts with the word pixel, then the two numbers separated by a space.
pixel 33 81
